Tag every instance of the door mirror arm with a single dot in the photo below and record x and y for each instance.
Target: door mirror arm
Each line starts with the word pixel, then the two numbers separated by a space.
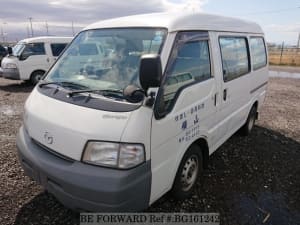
pixel 151 100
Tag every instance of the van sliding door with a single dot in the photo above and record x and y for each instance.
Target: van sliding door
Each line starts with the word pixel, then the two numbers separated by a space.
pixel 236 83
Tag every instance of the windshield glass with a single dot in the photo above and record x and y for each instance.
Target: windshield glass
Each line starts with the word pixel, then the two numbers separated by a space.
pixel 106 58
pixel 18 48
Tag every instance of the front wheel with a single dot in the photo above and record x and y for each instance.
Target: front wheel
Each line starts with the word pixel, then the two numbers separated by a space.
pixel 36 76
pixel 190 168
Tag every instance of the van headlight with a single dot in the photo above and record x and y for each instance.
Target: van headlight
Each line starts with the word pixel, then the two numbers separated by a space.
pixel 118 155
pixel 10 66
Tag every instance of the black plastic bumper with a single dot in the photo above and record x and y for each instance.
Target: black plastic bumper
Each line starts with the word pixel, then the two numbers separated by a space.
pixel 81 186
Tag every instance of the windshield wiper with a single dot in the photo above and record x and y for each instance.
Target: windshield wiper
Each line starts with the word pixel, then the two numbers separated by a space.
pixel 102 91
pixel 63 84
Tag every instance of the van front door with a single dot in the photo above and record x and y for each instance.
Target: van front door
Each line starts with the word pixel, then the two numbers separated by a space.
pixel 184 109
pixel 32 58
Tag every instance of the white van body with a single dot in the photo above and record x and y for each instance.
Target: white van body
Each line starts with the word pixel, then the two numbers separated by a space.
pixel 68 141
pixel 32 57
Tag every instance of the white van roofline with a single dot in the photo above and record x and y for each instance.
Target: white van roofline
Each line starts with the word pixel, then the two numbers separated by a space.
pixel 46 39
pixel 181 21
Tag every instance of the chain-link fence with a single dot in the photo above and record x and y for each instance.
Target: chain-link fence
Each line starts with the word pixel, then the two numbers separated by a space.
pixel 284 56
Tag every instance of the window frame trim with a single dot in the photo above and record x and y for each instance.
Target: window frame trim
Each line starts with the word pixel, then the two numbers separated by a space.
pixel 159 115
pixel 248 55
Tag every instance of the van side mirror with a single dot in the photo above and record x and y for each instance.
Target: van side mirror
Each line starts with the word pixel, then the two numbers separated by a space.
pixel 150 71
pixel 9 50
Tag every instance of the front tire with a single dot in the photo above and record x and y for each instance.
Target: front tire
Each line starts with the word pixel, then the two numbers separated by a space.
pixel 188 173
pixel 36 76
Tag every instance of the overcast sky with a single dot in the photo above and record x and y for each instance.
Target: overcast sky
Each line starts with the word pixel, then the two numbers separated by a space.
pixel 279 19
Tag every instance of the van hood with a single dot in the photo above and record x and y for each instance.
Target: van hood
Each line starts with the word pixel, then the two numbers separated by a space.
pixel 65 128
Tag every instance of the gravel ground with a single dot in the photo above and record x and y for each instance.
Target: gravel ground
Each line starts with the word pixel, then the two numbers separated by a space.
pixel 252 180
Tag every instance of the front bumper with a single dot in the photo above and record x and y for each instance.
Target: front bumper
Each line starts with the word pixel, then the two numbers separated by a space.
pixel 80 186
pixel 12 74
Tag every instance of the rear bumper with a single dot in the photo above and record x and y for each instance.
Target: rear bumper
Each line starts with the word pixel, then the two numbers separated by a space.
pixel 81 186
pixel 12 74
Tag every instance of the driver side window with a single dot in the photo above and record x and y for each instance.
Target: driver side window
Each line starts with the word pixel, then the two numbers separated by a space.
pixel 189 64
pixel 34 49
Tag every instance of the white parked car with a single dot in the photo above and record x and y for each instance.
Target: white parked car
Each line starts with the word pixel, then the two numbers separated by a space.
pixel 30 58
pixel 115 131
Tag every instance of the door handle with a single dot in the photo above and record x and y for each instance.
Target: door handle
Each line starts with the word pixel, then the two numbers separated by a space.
pixel 225 94
pixel 48 60
pixel 215 99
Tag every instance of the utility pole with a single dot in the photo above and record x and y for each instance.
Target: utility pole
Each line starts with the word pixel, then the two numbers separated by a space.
pixel 27 29
pixel 281 53
pixel 73 32
pixel 2 34
pixel 47 28
pixel 30 21
pixel 298 41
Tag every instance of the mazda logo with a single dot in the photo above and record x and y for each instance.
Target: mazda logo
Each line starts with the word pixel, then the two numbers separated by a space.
pixel 48 138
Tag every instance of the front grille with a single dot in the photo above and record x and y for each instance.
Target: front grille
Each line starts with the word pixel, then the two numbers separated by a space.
pixel 45 148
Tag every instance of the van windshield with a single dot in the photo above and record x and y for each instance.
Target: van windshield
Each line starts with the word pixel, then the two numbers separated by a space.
pixel 106 58
pixel 18 48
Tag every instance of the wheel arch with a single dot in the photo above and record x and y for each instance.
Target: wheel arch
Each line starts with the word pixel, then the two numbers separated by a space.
pixel 202 143
pixel 35 71
pixel 255 104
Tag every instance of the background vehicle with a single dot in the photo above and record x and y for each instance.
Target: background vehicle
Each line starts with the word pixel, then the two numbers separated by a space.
pixel 114 130
pixel 3 53
pixel 30 58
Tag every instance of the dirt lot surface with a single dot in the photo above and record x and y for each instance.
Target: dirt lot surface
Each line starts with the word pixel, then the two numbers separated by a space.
pixel 252 180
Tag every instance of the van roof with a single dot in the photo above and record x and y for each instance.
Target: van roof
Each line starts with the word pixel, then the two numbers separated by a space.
pixel 46 39
pixel 181 21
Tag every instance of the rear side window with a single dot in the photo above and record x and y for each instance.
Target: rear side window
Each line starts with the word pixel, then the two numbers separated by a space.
pixel 189 63
pixel 235 57
pixel 258 52
pixel 57 48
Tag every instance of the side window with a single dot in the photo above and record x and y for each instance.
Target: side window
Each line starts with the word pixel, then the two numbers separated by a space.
pixel 235 57
pixel 258 52
pixel 34 49
pixel 189 63
pixel 57 48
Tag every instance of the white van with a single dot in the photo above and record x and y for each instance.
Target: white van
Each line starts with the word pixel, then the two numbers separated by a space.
pixel 116 131
pixel 30 58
